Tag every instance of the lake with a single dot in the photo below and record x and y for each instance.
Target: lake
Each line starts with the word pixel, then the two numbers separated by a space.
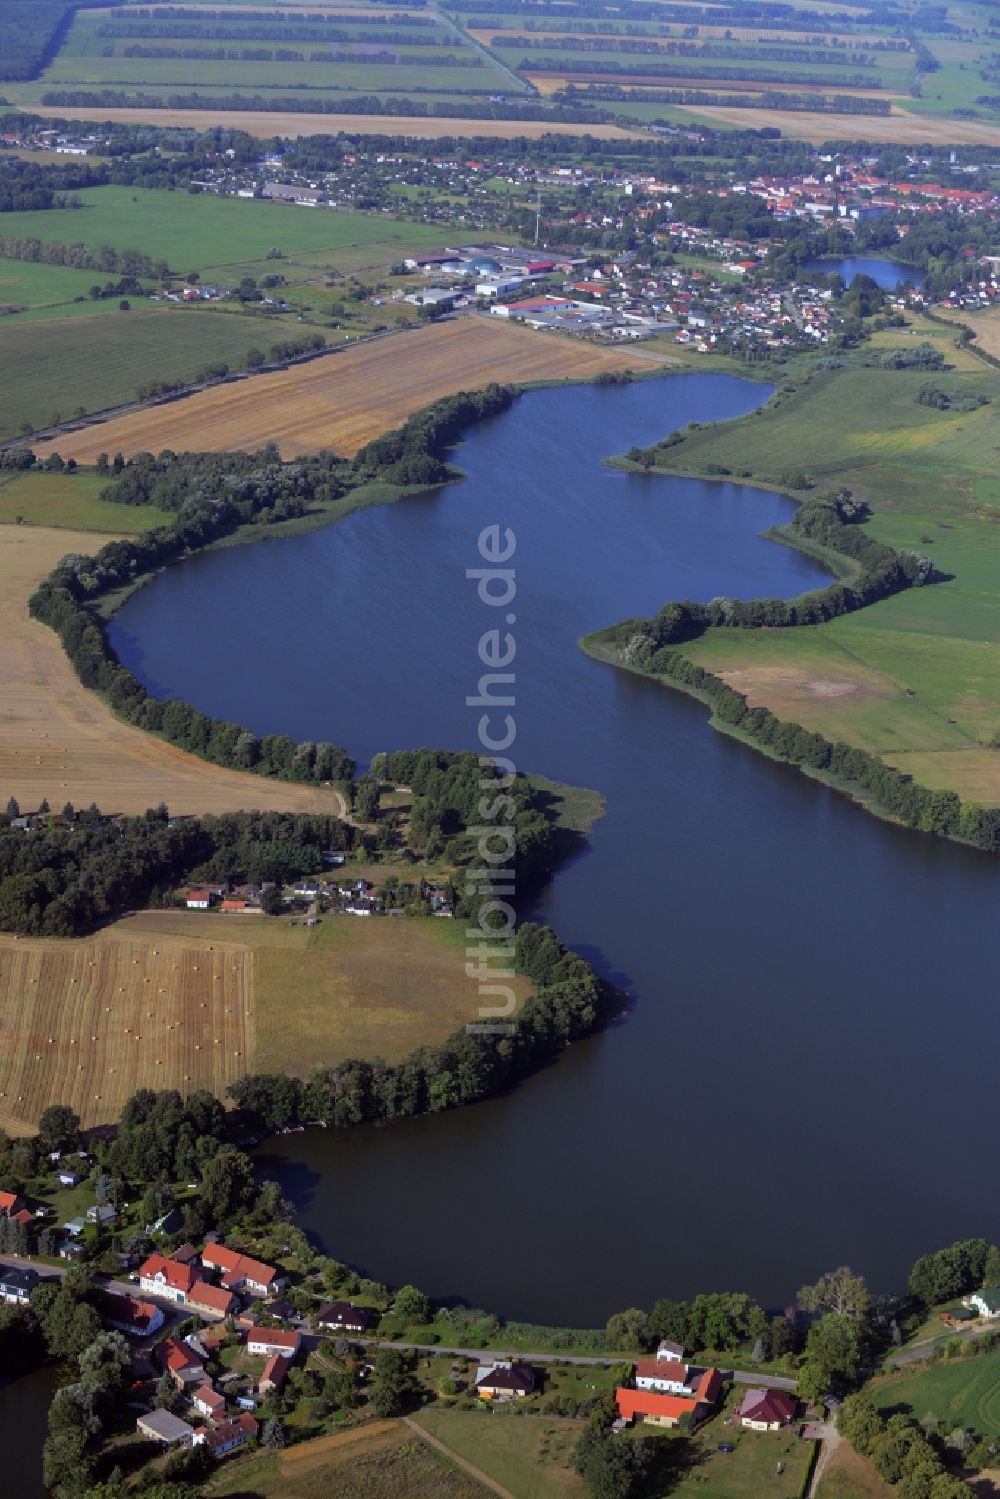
pixel 24 1423
pixel 784 1096
pixel 885 273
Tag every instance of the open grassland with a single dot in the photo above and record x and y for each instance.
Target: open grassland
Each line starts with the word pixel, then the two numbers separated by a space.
pixel 59 741
pixel 192 231
pixel 343 401
pixel 266 123
pixel 850 1476
pixel 63 366
pixel 530 1458
pixel 70 500
pixel 912 678
pixel 186 999
pixel 985 324
pixel 25 283
pixel 383 1460
pixel 86 1023
pixel 959 1392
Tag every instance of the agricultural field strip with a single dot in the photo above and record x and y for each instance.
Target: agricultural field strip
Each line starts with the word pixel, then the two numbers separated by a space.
pixel 87 1022
pixel 58 740
pixel 344 400
pixel 267 123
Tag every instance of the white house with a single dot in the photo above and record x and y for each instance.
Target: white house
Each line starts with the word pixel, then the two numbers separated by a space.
pixel 986 1302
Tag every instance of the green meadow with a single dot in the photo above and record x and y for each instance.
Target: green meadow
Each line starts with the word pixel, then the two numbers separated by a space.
pixel 25 283
pixel 914 677
pixel 191 231
pixel 72 501
pixel 959 1392
pixel 54 368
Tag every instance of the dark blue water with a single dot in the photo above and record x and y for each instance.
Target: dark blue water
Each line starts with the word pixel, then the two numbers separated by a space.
pixel 786 1095
pixel 885 273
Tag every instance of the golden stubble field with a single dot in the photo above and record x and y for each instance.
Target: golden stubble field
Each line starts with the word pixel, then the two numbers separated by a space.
pixel 86 1023
pixel 266 123
pixel 342 401
pixel 899 126
pixel 59 741
pixel 186 1000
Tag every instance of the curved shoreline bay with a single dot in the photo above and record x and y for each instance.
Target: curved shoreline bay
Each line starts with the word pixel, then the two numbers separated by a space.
pixel 743 1127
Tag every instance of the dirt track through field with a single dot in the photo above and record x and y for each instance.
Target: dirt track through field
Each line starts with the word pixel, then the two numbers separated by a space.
pixel 342 401
pixel 265 123
pixel 59 741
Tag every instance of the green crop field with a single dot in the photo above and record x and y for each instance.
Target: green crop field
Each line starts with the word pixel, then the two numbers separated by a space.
pixel 59 366
pixel 284 52
pixel 959 1392
pixel 193 230
pixel 70 500
pixel 25 284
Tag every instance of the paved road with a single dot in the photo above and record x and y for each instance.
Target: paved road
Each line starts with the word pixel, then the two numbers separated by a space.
pixel 493 1355
pixel 917 1351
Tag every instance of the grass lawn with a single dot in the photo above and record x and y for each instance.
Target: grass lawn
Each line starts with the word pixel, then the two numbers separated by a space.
pixel 54 368
pixel 693 1466
pixel 850 1476
pixel 42 499
pixel 192 231
pixel 528 1455
pixel 383 1460
pixel 960 1392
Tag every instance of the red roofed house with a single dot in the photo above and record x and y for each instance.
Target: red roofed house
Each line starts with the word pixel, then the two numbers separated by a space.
pixel 275 1373
pixel 667 1410
pixel 180 1362
pixel 10 1204
pixel 239 1272
pixel 269 1340
pixel 130 1315
pixel 209 1402
pixel 767 1410
pixel 209 1300
pixel 228 1435
pixel 162 1277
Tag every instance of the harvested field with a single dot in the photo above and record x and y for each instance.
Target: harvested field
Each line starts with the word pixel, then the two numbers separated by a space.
pixel 58 740
pixel 986 326
pixel 87 1023
pixel 265 123
pixel 186 1000
pixel 817 128
pixel 549 82
pixel 343 401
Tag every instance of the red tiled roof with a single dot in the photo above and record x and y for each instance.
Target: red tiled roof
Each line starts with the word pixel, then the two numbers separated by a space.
pixel 275 1337
pixel 649 1403
pixel 205 1395
pixel 213 1298
pixel 178 1277
pixel 275 1370
pixel 221 1435
pixel 240 1266
pixel 768 1406
pixel 129 1310
pixel 177 1356
pixel 662 1368
pixel 8 1201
